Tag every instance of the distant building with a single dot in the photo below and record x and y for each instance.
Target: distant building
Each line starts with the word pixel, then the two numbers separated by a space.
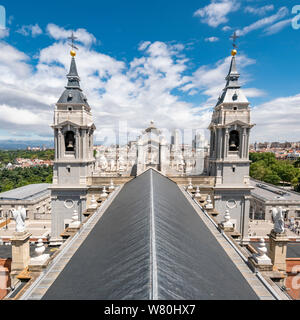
pixel 35 198
pixel 293 156
pixel 266 196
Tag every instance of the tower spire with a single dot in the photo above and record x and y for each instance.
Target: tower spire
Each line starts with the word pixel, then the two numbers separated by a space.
pixel 73 93
pixel 232 92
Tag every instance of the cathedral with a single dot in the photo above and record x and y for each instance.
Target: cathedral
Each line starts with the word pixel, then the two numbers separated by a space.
pixel 225 160
pixel 154 220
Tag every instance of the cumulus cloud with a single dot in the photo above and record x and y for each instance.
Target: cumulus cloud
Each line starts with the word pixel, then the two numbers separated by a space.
pixel 277 120
pixel 135 92
pixel 210 80
pixel 217 11
pixel 30 30
pixel 150 86
pixel 282 12
pixel 59 33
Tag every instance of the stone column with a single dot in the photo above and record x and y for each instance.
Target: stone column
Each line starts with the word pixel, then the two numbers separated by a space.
pixel 226 147
pixel 56 143
pixel 243 155
pixel 77 143
pixel 278 249
pixel 20 253
pixel 61 143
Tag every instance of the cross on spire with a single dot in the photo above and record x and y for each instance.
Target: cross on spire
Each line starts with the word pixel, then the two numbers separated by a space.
pixel 234 37
pixel 73 38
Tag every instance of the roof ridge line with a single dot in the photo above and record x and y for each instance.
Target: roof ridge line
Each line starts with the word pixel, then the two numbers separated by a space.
pixel 153 257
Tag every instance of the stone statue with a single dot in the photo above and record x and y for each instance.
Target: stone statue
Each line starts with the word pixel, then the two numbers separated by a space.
pixel 277 218
pixel 20 217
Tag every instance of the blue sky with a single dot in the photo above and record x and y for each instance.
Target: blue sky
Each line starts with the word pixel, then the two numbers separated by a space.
pixel 142 60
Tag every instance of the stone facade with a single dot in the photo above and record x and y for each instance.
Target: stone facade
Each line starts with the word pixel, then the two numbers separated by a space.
pixel 152 151
pixel 229 152
pixel 266 196
pixel 74 160
pixel 34 198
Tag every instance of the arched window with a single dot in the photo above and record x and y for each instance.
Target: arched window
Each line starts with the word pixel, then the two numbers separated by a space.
pixel 70 141
pixel 234 141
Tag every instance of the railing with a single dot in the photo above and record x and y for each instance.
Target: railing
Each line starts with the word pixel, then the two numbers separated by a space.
pixel 238 251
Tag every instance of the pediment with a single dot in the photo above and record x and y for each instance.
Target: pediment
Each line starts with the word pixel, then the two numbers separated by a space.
pixel 238 123
pixel 66 123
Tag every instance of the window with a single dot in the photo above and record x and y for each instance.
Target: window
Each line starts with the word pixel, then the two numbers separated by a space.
pixel 234 141
pixel 70 141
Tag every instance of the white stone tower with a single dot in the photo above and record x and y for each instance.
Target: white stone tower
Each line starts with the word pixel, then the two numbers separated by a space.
pixel 152 150
pixel 200 154
pixel 229 151
pixel 74 160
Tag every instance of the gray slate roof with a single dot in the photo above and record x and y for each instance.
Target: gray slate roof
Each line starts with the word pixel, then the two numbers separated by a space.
pixel 272 193
pixel 30 192
pixel 73 93
pixel 150 244
pixel 232 92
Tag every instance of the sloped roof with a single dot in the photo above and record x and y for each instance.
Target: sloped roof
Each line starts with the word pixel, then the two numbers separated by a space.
pixel 73 94
pixel 150 244
pixel 29 192
pixel 232 92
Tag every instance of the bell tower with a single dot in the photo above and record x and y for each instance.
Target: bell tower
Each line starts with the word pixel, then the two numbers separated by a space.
pixel 229 151
pixel 74 160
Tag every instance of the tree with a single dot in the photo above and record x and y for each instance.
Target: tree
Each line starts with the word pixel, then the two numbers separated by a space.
pixel 272 178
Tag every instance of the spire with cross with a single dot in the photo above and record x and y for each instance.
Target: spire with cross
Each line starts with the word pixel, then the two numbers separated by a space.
pixel 72 45
pixel 234 37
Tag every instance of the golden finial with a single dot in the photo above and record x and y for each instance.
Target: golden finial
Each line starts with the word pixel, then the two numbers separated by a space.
pixel 233 52
pixel 73 52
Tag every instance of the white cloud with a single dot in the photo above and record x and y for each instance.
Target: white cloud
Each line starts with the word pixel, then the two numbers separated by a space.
pixel 277 120
pixel 216 12
pixel 59 33
pixel 277 27
pixel 135 92
pixel 226 28
pixel 253 92
pixel 24 117
pixel 259 11
pixel 30 30
pixel 210 80
pixel 212 39
pixel 148 87
pixel 144 45
pixel 4 32
pixel 282 12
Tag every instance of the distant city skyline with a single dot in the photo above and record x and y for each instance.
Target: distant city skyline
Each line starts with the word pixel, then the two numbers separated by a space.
pixel 141 61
